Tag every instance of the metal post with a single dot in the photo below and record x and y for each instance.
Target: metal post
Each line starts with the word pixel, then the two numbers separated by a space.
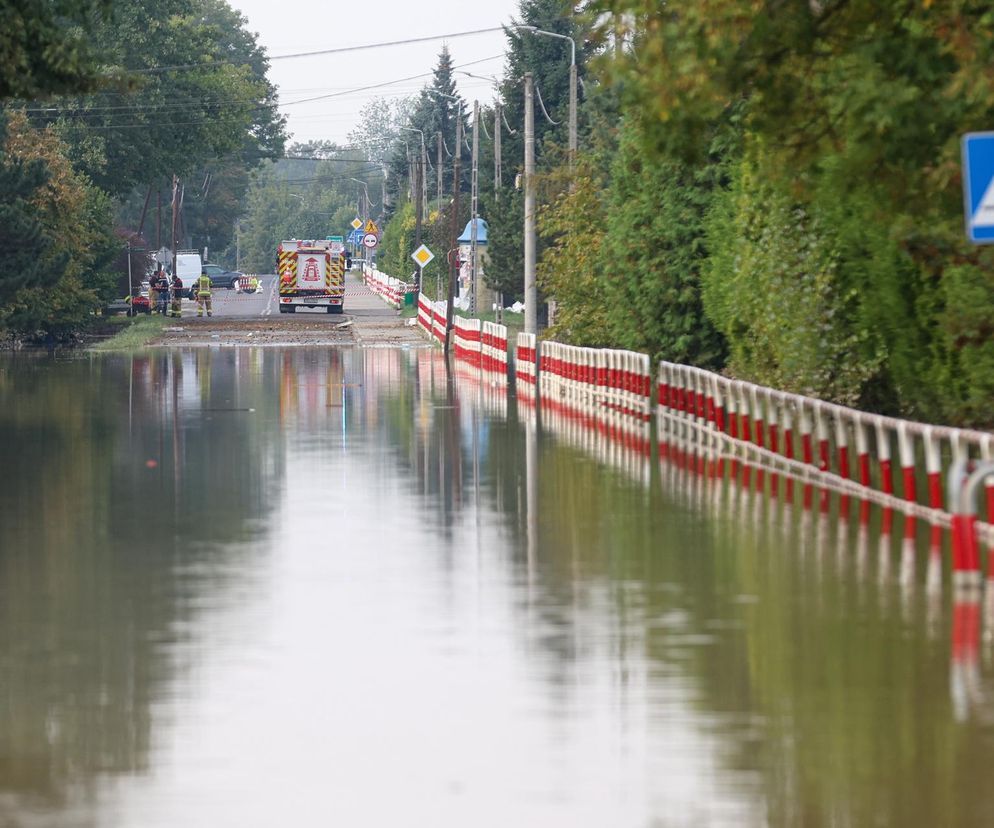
pixel 131 292
pixel 531 288
pixel 453 232
pixel 474 297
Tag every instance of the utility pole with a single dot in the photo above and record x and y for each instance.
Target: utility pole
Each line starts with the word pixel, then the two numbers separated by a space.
pixel 158 223
pixel 424 180
pixel 454 232
pixel 175 216
pixel 497 112
pixel 531 289
pixel 418 217
pixel 497 177
pixel 572 111
pixel 473 269
pixel 438 173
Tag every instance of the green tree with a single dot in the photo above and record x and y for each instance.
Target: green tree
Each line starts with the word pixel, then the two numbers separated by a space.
pixel 47 48
pixel 654 251
pixel 72 275
pixel 24 241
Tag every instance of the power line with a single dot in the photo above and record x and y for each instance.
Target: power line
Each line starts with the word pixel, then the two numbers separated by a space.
pixel 166 107
pixel 338 50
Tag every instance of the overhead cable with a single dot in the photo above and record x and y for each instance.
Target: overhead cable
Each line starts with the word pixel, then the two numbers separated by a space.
pixel 538 95
pixel 503 116
pixel 319 52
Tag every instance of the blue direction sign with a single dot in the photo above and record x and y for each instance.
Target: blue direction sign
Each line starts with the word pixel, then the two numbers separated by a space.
pixel 356 236
pixel 978 186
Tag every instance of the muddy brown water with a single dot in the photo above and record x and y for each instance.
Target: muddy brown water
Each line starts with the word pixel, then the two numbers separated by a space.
pixel 262 586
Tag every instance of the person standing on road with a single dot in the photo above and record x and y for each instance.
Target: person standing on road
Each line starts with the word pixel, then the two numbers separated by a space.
pixel 176 309
pixel 161 291
pixel 204 294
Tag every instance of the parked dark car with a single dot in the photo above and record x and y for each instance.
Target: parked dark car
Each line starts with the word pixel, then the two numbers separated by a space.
pixel 221 278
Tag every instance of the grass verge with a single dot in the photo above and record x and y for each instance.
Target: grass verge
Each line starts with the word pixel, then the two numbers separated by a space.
pixel 134 335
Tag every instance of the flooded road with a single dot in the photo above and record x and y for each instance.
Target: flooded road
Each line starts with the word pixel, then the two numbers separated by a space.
pixel 258 587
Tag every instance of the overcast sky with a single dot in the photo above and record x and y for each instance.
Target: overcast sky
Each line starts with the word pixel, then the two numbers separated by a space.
pixel 290 26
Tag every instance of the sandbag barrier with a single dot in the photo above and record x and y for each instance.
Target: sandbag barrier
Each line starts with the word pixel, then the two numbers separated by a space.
pixel 851 444
pixel 391 290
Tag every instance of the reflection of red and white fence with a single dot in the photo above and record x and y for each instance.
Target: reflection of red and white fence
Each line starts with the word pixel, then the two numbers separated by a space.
pixel 619 442
pixel 821 434
pixel 493 347
pixel 389 289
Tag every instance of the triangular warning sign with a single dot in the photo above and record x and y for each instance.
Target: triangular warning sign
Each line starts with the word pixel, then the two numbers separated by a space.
pixel 983 216
pixel 371 227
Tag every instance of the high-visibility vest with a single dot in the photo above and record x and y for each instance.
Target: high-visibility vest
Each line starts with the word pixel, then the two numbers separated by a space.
pixel 204 285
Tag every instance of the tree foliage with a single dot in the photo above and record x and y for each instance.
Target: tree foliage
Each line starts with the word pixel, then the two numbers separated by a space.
pixel 46 47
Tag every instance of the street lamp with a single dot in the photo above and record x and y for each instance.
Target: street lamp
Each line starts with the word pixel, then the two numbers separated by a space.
pixel 572 81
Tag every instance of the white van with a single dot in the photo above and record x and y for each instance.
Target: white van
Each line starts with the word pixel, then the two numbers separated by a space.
pixel 188 267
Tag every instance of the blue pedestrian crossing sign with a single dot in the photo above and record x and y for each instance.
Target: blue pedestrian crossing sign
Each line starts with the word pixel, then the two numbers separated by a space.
pixel 978 186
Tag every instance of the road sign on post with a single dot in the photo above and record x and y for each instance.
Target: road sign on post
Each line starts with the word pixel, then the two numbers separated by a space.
pixel 978 186
pixel 356 223
pixel 371 227
pixel 423 256
pixel 369 240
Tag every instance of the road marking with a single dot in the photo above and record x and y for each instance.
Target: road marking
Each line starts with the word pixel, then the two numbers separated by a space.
pixel 269 300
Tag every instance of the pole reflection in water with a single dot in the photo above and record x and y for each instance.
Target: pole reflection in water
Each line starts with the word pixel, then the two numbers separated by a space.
pixel 414 596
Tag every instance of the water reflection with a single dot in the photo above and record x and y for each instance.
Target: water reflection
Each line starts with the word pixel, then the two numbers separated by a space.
pixel 409 594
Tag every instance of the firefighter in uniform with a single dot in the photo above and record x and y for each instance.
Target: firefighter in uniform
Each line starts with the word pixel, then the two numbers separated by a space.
pixel 204 294
pixel 176 307
pixel 162 292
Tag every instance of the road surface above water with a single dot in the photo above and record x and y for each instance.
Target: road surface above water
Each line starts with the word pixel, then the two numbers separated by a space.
pixel 254 319
pixel 340 586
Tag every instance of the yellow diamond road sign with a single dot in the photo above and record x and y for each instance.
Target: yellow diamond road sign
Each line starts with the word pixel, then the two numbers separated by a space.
pixel 422 255
pixel 356 223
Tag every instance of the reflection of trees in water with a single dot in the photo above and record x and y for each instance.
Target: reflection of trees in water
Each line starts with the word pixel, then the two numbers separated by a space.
pixel 804 642
pixel 122 504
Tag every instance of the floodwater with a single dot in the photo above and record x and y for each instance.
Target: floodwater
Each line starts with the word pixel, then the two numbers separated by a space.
pixel 334 587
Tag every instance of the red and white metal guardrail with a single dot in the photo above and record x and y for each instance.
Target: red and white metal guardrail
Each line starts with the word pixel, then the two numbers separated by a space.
pixel 493 348
pixel 390 289
pixel 851 444
pixel 526 358
pixel 431 317
pixel 598 378
pixel 466 338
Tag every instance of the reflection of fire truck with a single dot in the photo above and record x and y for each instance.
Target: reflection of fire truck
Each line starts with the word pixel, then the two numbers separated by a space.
pixel 312 275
